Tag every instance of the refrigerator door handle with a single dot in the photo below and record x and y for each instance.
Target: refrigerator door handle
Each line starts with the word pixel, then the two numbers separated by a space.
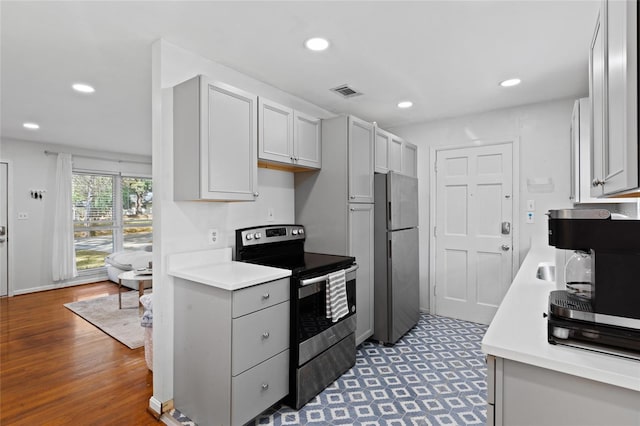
pixel 389 208
pixel 389 249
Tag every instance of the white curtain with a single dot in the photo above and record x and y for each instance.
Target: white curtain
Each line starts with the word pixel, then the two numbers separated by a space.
pixel 64 254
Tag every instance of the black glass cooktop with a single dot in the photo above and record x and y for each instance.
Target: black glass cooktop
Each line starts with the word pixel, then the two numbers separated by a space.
pixel 306 263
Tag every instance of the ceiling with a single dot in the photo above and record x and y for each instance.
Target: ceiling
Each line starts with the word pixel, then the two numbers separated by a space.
pixel 446 56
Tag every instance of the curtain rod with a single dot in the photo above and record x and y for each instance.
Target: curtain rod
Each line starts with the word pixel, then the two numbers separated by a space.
pixel 94 157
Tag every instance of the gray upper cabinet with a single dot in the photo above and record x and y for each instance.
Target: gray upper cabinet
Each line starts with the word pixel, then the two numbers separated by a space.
pixel 614 99
pixel 360 160
pixel 214 142
pixel 395 154
pixel 288 137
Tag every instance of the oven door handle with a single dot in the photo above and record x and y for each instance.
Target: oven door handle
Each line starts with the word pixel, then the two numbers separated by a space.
pixel 321 278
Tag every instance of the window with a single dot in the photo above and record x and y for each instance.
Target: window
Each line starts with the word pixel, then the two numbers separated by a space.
pixel 110 213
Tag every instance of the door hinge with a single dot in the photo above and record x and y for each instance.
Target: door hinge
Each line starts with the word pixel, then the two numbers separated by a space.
pixel 435 232
pixel 435 167
pixel 434 290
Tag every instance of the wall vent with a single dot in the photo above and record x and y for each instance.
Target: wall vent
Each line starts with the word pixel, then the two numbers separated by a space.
pixel 346 91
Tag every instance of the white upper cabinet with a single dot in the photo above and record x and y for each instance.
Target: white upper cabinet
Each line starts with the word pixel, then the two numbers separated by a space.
pixel 382 150
pixel 409 159
pixel 307 147
pixel 395 154
pixel 275 137
pixel 288 137
pixel 613 89
pixel 214 142
pixel 360 160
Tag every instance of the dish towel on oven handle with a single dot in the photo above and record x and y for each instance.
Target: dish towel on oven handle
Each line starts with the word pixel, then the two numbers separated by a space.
pixel 336 296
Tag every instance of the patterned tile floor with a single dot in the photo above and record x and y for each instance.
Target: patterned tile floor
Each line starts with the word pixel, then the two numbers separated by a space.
pixel 435 375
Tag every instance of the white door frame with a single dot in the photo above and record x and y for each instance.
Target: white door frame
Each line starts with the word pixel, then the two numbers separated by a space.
pixel 10 225
pixel 515 228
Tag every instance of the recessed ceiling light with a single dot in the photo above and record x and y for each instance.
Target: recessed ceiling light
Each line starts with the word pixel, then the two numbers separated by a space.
pixel 317 44
pixel 405 104
pixel 83 88
pixel 31 126
pixel 510 82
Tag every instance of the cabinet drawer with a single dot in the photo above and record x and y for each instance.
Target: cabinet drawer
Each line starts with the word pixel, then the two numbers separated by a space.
pixel 259 388
pixel 259 336
pixel 261 296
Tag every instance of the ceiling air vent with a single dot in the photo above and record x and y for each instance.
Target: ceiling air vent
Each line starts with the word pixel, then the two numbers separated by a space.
pixel 345 91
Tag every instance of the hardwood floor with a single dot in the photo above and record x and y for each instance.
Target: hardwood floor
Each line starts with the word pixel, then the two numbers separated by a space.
pixel 58 369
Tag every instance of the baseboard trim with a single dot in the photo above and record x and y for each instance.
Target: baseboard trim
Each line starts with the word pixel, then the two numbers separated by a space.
pixel 77 281
pixel 157 408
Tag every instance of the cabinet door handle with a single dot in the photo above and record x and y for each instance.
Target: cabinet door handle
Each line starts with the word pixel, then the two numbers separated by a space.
pixel 265 335
pixel 266 296
pixel 597 182
pixel 265 386
pixel 505 247
pixel 255 194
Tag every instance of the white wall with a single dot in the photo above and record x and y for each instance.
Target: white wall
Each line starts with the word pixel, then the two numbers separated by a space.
pixel 182 226
pixel 543 133
pixel 30 241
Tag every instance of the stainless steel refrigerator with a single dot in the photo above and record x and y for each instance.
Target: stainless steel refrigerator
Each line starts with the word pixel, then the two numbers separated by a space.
pixel 396 271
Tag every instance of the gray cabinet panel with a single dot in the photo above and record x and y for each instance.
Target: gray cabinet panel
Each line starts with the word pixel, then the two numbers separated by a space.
pixel 258 336
pixel 261 296
pixel 262 386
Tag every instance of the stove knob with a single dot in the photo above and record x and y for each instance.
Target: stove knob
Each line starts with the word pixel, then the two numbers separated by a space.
pixel 294 232
pixel 300 231
pixel 249 237
pixel 258 235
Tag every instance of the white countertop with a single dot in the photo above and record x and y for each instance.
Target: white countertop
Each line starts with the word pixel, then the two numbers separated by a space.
pixel 215 268
pixel 519 332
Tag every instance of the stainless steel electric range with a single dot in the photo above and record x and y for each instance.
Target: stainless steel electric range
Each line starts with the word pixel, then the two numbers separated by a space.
pixel 320 350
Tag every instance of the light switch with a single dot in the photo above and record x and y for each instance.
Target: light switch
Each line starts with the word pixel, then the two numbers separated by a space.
pixel 23 216
pixel 531 205
pixel 531 217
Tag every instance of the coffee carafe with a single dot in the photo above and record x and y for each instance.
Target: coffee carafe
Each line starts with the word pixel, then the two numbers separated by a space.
pixel 578 274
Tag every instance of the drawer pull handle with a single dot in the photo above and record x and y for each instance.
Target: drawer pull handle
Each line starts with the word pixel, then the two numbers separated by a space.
pixel 266 296
pixel 265 335
pixel 265 386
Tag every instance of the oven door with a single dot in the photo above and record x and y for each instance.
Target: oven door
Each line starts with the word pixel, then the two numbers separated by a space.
pixel 315 332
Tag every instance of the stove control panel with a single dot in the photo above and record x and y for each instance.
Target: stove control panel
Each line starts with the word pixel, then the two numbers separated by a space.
pixel 269 234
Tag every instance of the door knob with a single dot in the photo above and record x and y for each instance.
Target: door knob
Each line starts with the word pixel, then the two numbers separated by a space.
pixel 505 247
pixel 2 240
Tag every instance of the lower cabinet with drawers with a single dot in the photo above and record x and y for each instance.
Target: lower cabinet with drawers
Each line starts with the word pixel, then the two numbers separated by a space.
pixel 231 359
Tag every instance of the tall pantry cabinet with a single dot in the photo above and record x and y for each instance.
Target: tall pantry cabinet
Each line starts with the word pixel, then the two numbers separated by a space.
pixel 335 205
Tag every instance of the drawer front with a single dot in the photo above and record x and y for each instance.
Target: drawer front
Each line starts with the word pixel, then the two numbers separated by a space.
pixel 257 389
pixel 261 296
pixel 259 336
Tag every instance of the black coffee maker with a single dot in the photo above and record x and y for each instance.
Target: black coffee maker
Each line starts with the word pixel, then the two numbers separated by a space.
pixel 609 318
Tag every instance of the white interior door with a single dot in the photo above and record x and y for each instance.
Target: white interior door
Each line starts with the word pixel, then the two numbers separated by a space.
pixel 4 245
pixel 474 235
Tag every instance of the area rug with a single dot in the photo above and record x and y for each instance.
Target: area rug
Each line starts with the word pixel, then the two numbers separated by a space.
pixel 121 324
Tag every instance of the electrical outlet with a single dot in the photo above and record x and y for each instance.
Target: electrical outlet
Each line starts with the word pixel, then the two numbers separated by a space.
pixel 531 217
pixel 271 215
pixel 23 216
pixel 213 236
